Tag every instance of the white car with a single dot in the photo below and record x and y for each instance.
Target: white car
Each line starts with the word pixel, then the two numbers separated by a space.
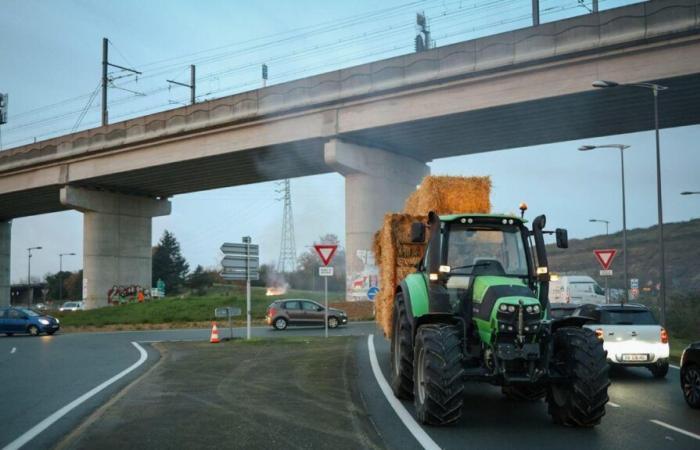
pixel 71 306
pixel 630 334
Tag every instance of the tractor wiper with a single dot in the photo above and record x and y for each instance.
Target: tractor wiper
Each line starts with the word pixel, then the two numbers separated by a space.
pixel 484 264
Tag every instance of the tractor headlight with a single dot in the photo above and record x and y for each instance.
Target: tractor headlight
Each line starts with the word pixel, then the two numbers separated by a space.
pixel 536 308
pixel 503 307
pixel 529 310
pixel 511 308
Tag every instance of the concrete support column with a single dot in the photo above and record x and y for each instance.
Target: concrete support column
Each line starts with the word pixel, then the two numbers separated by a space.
pixel 376 182
pixel 5 241
pixel 116 239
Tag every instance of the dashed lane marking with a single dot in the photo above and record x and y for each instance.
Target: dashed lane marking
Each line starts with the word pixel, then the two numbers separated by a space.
pixel 676 429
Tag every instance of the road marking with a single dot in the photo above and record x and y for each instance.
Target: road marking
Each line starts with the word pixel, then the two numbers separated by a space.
pixel 676 429
pixel 408 420
pixel 614 405
pixel 675 367
pixel 44 424
pixel 14 349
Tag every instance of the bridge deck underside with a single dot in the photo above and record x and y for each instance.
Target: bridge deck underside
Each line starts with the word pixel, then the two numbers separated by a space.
pixel 550 120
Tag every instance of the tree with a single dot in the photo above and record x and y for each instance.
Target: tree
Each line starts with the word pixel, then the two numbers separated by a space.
pixel 73 286
pixel 199 280
pixel 53 281
pixel 168 263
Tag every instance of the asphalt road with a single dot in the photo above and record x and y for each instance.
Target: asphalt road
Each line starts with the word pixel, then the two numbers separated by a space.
pixel 490 421
pixel 40 376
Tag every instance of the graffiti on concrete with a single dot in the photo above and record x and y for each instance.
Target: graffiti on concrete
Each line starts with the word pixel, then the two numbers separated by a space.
pixel 120 295
pixel 367 277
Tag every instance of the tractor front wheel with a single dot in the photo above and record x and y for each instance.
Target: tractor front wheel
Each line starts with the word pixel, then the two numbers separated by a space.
pixel 579 355
pixel 437 365
pixel 401 351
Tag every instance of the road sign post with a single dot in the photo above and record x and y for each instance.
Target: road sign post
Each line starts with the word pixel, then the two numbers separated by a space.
pixel 605 258
pixel 227 313
pixel 241 262
pixel 325 252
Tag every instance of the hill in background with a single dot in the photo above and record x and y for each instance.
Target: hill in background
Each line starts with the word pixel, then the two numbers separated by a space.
pixel 682 241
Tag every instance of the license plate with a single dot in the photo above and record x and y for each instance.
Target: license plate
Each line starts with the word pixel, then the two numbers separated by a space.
pixel 636 357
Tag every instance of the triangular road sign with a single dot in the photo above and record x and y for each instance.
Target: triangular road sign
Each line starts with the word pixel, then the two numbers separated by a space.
pixel 325 252
pixel 605 257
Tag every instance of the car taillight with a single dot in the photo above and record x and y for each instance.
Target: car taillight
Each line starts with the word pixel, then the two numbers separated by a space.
pixel 664 336
pixel 271 312
pixel 599 333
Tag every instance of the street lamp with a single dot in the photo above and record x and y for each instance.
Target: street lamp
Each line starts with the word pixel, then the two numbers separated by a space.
pixel 60 274
pixel 29 273
pixel 621 147
pixel 607 223
pixel 654 88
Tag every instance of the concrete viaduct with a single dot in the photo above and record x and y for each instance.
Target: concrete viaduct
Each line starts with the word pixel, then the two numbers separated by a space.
pixel 377 124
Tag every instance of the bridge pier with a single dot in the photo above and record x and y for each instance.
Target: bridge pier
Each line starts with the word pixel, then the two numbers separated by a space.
pixel 116 239
pixel 5 244
pixel 376 182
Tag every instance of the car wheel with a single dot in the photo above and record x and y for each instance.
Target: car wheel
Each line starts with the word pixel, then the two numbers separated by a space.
pixel 690 382
pixel 333 322
pixel 660 369
pixel 33 330
pixel 280 323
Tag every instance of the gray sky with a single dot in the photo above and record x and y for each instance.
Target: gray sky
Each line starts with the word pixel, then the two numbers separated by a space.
pixel 50 56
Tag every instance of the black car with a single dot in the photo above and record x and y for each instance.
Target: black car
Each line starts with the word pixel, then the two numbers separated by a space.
pixel 690 374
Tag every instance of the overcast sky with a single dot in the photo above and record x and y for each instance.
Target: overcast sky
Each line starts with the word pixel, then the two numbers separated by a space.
pixel 50 56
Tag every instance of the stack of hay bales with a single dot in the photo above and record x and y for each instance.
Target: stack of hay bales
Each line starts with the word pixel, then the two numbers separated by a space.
pixel 396 256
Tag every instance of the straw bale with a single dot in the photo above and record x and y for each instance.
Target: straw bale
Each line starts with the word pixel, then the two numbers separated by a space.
pixel 450 195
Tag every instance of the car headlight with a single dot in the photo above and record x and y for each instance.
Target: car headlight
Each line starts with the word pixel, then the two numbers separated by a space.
pixel 57 321
pixel 43 321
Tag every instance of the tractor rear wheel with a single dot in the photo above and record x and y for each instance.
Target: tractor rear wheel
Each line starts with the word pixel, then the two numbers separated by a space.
pixel 437 365
pixel 580 402
pixel 524 392
pixel 401 351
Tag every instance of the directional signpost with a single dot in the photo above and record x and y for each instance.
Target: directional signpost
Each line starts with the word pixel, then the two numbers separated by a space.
pixel 241 262
pixel 605 258
pixel 325 252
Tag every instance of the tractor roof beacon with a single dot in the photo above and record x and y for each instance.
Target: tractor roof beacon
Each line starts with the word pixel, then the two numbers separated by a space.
pixel 477 309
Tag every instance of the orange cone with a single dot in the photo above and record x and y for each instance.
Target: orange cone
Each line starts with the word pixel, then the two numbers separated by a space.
pixel 214 339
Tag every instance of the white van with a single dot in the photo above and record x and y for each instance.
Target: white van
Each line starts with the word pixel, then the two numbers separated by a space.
pixel 575 289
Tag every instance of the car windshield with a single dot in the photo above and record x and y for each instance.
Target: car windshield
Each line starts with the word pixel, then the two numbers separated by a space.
pixel 627 317
pixel 472 250
pixel 30 312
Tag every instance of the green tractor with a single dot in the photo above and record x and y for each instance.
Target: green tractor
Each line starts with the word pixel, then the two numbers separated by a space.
pixel 477 309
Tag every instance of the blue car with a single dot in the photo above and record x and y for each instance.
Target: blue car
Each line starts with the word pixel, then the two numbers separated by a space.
pixel 24 320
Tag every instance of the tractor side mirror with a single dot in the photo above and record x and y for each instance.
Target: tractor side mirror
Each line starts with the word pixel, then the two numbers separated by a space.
pixel 417 232
pixel 562 238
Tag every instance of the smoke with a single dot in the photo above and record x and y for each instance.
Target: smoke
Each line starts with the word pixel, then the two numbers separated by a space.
pixel 276 284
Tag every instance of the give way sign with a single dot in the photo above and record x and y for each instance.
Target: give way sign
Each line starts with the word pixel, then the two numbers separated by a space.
pixel 605 257
pixel 325 252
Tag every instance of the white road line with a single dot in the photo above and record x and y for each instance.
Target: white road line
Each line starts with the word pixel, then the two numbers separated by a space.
pixel 676 429
pixel 410 423
pixel 614 405
pixel 44 424
pixel 675 367
pixel 14 349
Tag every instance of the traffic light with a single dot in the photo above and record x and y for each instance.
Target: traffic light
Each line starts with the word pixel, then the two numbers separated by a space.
pixel 3 108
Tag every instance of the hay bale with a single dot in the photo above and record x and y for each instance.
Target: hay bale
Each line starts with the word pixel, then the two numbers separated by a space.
pixel 394 253
pixel 450 195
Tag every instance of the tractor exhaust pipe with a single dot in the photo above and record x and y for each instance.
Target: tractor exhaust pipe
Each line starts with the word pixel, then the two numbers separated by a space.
pixel 542 265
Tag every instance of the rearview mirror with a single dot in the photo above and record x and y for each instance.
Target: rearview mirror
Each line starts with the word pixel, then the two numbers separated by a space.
pixel 562 238
pixel 417 232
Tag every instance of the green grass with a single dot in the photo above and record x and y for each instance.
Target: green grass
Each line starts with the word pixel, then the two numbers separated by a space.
pixel 677 346
pixel 188 309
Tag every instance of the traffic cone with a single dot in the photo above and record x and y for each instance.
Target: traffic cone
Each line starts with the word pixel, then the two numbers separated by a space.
pixel 214 339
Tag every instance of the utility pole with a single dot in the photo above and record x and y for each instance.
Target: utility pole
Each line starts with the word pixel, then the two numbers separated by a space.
pixel 29 274
pixel 60 274
pixel 535 13
pixel 423 41
pixel 264 75
pixel 191 86
pixel 287 261
pixel 106 80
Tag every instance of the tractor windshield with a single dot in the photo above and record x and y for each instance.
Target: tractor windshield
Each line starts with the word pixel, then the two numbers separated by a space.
pixel 486 251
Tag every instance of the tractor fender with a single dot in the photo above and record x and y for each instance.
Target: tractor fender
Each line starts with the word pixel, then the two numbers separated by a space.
pixel 571 321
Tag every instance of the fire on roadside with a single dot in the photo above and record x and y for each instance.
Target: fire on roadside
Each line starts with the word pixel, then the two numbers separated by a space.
pixel 276 290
